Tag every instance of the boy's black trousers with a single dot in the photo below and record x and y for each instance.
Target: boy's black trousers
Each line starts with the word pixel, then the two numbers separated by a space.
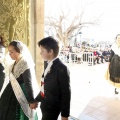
pixel 50 115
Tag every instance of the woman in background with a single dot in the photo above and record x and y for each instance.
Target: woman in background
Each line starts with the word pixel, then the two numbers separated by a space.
pixel 114 64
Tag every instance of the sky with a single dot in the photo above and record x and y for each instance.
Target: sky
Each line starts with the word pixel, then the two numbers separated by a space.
pixel 106 11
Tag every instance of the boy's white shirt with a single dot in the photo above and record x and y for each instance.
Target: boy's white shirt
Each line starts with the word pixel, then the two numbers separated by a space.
pixel 50 63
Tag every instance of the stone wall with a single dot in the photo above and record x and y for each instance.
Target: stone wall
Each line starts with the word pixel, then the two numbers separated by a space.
pixel 24 20
pixel 37 33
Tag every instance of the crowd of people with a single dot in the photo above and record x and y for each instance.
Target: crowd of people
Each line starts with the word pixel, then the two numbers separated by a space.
pixel 78 55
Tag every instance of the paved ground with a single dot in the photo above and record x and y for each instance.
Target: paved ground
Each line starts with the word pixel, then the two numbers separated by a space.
pixel 93 97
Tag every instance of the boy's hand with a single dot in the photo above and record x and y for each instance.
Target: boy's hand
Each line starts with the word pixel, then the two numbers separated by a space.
pixel 64 118
pixel 34 105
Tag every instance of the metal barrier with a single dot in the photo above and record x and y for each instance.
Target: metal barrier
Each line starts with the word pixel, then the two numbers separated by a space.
pixel 88 57
pixel 82 57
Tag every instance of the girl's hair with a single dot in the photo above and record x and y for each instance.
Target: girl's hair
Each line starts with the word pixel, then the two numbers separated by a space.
pixel 117 36
pixel 2 41
pixel 17 45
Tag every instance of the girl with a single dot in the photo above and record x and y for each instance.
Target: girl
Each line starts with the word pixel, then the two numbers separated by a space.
pixel 18 94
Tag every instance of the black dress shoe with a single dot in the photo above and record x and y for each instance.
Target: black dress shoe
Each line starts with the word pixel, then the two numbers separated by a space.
pixel 116 92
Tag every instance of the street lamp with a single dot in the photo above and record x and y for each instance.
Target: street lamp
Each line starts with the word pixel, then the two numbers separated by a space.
pixel 80 33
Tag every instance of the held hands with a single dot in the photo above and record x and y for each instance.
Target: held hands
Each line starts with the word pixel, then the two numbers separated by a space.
pixel 34 105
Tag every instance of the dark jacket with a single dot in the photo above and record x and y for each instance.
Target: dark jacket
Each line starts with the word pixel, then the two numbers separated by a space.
pixel 2 76
pixel 114 67
pixel 56 89
pixel 111 55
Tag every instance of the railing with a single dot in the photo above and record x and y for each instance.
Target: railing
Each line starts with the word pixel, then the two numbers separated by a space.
pixel 80 58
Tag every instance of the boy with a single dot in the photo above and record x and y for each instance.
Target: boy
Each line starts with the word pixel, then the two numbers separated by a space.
pixel 55 90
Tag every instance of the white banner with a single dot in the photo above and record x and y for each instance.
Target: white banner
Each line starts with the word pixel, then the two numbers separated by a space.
pixel 21 97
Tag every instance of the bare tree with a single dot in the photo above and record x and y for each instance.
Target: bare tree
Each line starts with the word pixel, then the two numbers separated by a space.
pixel 64 27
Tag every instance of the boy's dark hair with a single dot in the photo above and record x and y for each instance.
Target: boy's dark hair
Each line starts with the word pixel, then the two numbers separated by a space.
pixel 50 43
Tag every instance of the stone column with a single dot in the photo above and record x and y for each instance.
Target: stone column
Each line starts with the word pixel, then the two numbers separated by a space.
pixel 37 33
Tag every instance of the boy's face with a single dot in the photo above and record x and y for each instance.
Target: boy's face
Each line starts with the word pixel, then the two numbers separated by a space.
pixel 46 55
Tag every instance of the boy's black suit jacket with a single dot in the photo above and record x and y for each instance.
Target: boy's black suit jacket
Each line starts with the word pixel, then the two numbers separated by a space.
pixel 56 89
